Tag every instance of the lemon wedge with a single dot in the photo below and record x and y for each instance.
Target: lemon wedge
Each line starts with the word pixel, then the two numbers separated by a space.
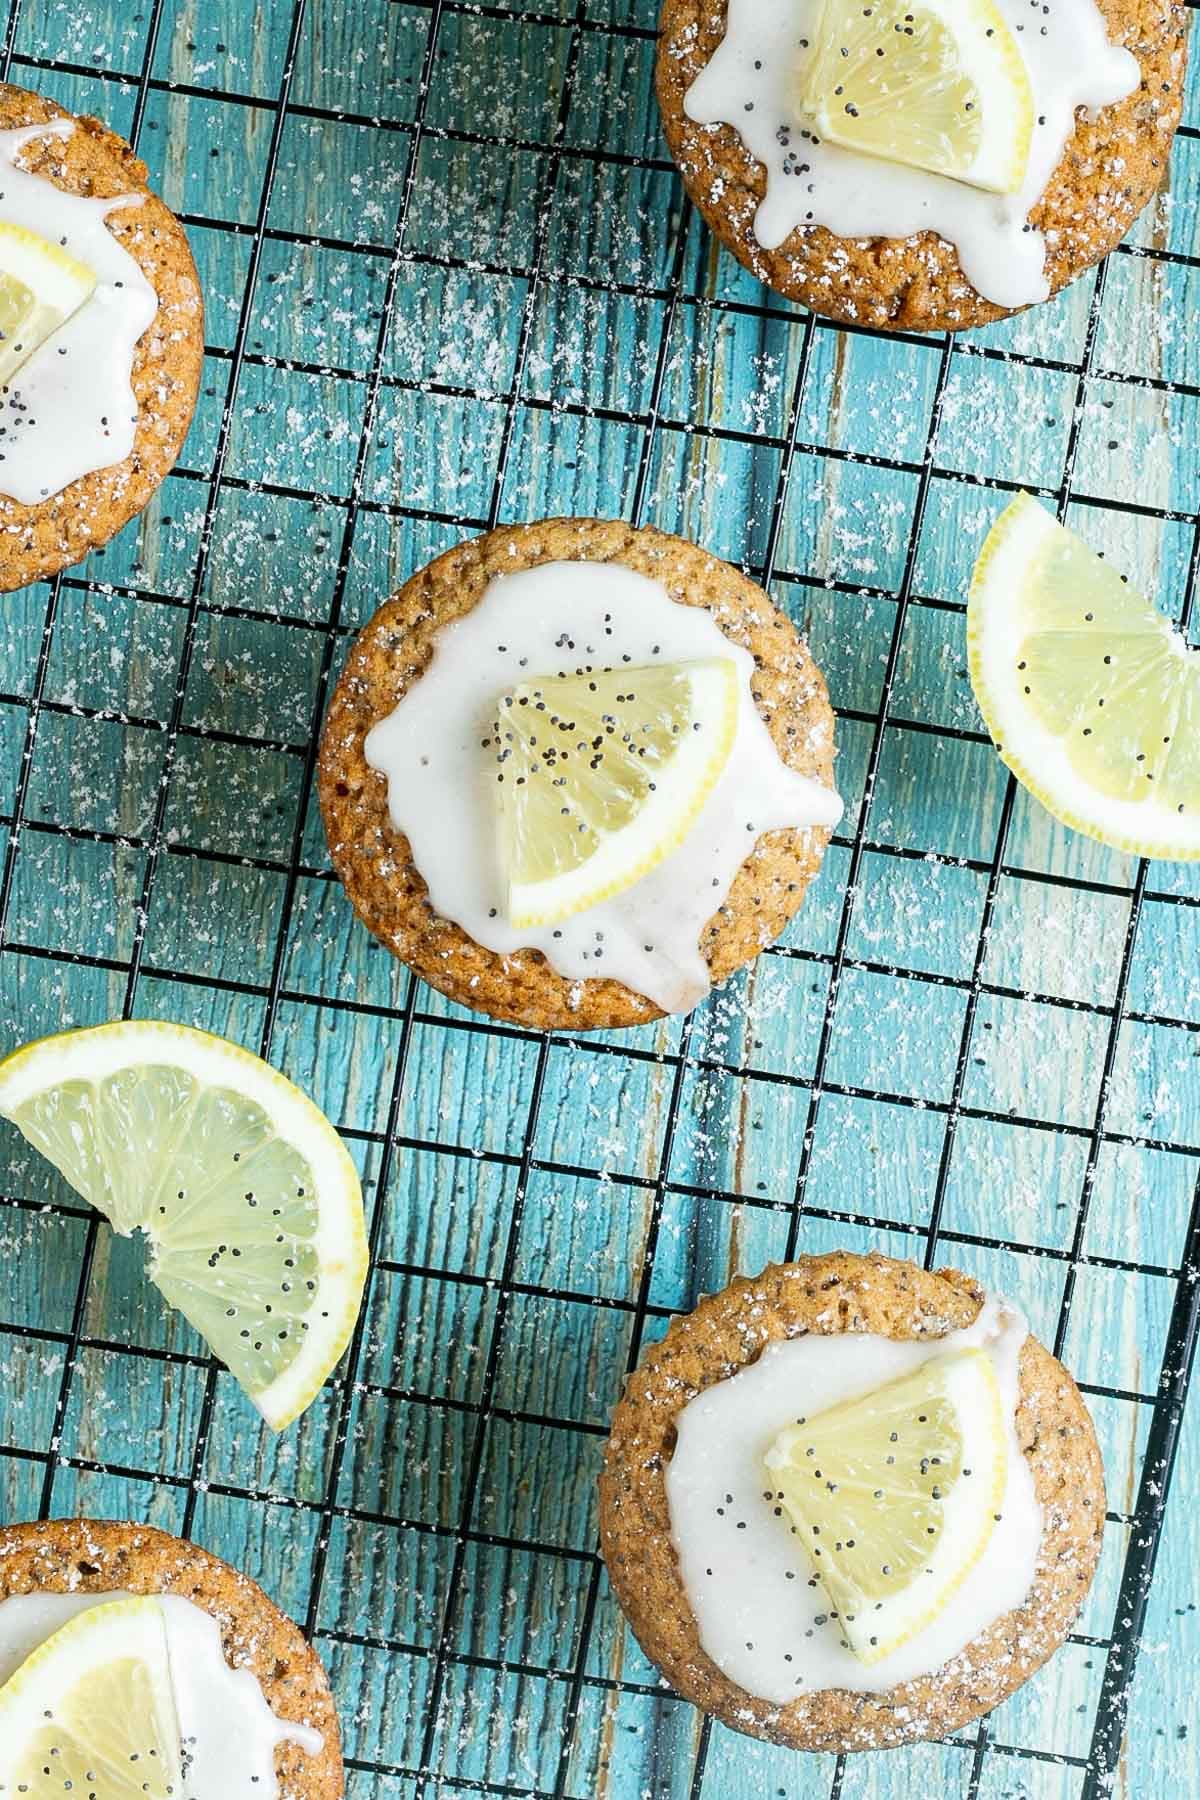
pixel 939 85
pixel 600 775
pixel 91 1711
pixel 40 288
pixel 246 1193
pixel 894 1495
pixel 1090 693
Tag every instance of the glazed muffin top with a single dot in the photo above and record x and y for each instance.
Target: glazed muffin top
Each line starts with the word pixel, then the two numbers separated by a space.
pixel 1082 204
pixel 834 1295
pixel 106 1557
pixel 85 161
pixel 374 858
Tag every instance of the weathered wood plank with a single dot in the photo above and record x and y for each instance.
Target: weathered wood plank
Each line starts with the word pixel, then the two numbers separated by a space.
pixel 484 413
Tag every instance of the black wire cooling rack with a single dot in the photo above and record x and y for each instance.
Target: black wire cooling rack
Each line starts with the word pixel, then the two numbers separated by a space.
pixel 43 47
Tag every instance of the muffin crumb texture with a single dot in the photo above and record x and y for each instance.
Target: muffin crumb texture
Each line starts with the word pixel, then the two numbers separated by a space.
pixel 80 1556
pixel 727 1332
pixel 38 541
pixel 1110 169
pixel 373 858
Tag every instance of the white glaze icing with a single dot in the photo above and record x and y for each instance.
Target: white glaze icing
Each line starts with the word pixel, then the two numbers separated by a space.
pixel 550 620
pixel 227 1730
pixel 750 84
pixel 70 410
pixel 755 1610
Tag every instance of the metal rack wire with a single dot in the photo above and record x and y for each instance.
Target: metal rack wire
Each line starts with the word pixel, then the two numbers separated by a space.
pixel 459 1535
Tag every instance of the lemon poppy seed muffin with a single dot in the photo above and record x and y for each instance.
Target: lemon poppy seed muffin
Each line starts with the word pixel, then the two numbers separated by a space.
pixel 62 1572
pixel 782 1466
pixel 867 241
pixel 546 620
pixel 101 337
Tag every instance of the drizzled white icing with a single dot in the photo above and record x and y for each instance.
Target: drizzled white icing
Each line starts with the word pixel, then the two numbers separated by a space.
pixel 746 1581
pixel 228 1732
pixel 70 409
pixel 546 621
pixel 750 84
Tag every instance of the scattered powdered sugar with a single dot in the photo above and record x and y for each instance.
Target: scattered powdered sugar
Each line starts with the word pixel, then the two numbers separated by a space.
pixel 557 364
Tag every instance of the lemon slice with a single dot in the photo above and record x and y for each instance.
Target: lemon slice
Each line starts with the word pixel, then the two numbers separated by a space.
pixel 602 774
pixel 894 1496
pixel 249 1199
pixel 40 288
pixel 1091 694
pixel 936 84
pixel 91 1712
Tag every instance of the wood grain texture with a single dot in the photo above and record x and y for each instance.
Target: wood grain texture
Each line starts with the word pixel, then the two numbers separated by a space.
pixel 564 337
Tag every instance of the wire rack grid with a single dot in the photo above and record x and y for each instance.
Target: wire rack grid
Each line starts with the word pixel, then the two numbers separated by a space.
pixel 452 281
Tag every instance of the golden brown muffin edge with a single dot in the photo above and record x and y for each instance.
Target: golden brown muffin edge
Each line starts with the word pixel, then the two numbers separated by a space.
pixel 109 1556
pixel 1110 169
pixel 38 541
pixel 726 1332
pixel 374 861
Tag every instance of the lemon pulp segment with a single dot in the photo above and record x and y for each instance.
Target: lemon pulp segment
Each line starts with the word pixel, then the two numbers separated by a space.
pixel 91 1711
pixel 894 1495
pixel 41 287
pixel 1091 694
pixel 251 1204
pixel 939 85
pixel 601 774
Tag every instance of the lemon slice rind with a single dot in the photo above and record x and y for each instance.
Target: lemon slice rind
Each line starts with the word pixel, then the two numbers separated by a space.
pixel 44 1703
pixel 682 785
pixel 44 287
pixel 35 1077
pixel 821 1501
pixel 998 114
pixel 1003 623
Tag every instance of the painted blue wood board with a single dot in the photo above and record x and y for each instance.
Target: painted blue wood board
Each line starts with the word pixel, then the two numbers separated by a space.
pixel 565 337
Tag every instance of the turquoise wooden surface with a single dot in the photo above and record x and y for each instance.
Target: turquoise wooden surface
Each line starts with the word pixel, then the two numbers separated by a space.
pixel 451 281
